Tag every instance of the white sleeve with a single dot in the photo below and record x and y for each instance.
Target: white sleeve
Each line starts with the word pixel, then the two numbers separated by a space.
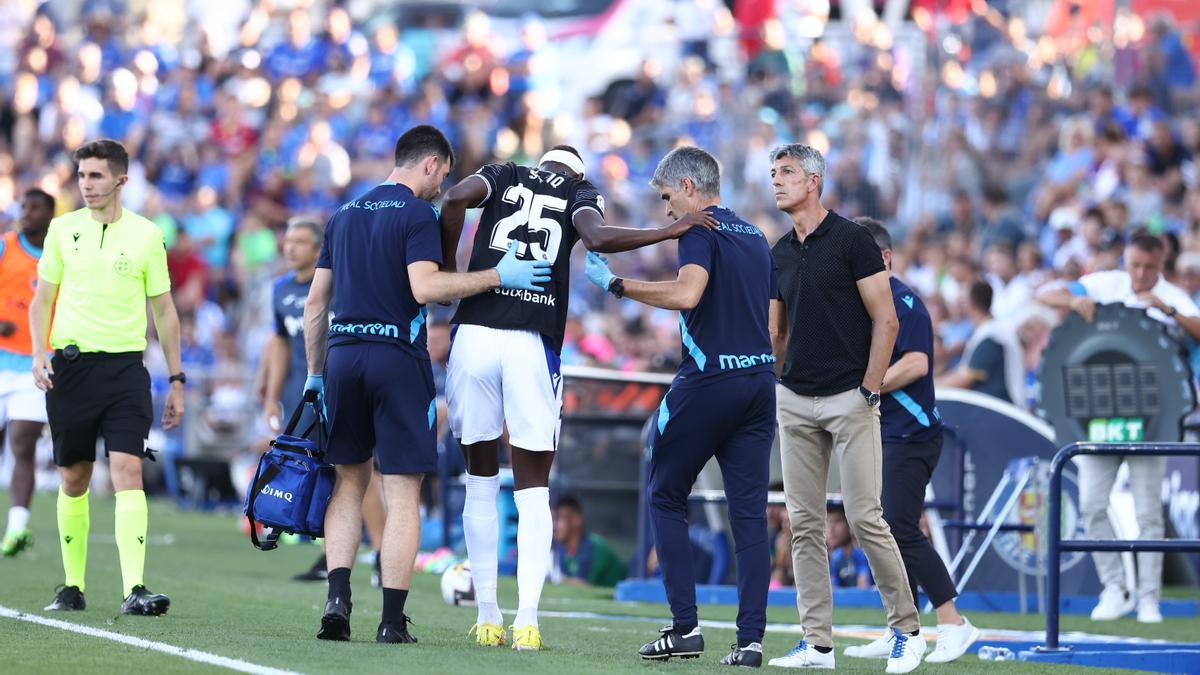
pixel 1104 287
pixel 1183 303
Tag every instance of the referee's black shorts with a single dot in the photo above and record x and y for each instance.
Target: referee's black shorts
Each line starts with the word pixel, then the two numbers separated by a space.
pixel 98 395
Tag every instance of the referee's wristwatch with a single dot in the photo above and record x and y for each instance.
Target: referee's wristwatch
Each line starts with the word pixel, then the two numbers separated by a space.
pixel 180 377
pixel 617 287
pixel 871 396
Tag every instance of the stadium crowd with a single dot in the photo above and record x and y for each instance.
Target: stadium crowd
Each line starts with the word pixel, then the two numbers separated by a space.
pixel 995 152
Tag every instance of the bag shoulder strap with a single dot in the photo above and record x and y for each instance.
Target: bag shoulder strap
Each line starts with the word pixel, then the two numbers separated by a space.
pixel 318 423
pixel 310 396
pixel 261 478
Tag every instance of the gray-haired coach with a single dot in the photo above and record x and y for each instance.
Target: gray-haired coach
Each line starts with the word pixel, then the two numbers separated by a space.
pixel 832 328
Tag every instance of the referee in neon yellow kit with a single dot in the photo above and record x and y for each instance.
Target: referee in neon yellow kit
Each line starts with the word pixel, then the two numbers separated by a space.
pixel 98 267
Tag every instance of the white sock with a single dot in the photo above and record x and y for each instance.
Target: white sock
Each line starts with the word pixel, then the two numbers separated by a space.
pixel 18 519
pixel 535 532
pixel 481 529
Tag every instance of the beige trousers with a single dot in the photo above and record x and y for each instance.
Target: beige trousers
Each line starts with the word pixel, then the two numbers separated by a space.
pixel 810 428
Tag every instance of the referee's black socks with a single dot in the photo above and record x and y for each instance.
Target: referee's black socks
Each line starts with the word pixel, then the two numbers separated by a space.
pixel 339 583
pixel 393 605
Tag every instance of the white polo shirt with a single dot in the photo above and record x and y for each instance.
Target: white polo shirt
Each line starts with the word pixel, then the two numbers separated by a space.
pixel 1116 286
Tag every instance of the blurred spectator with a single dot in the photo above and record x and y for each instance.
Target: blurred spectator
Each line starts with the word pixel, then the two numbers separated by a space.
pixel 848 566
pixel 1189 274
pixel 992 362
pixel 779 530
pixel 1010 289
pixel 1001 220
pixel 243 114
pixel 209 226
pixel 581 558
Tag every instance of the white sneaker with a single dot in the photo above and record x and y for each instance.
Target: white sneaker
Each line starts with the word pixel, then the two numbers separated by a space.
pixel 953 641
pixel 1115 602
pixel 804 655
pixel 879 649
pixel 907 651
pixel 1148 612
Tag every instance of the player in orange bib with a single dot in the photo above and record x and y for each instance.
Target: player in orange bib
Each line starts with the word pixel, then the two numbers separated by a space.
pixel 22 404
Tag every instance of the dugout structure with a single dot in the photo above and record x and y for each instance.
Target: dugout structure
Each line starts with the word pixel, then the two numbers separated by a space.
pixel 1167 658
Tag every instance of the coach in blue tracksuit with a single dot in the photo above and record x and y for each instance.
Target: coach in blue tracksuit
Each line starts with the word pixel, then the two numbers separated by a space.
pixel 911 428
pixel 722 402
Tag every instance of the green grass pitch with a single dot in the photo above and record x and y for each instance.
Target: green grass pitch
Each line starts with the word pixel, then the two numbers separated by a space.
pixel 231 600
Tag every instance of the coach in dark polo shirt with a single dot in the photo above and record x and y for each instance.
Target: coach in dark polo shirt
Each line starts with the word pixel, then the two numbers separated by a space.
pixel 833 327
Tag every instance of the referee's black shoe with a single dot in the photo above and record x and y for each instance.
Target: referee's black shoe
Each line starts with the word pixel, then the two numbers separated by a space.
pixel 395 633
pixel 145 603
pixel 672 643
pixel 335 623
pixel 67 599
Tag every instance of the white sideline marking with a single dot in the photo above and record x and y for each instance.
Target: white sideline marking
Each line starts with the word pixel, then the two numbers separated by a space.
pixel 189 654
pixel 865 632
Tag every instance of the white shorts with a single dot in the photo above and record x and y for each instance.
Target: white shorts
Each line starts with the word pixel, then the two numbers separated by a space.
pixel 497 376
pixel 20 399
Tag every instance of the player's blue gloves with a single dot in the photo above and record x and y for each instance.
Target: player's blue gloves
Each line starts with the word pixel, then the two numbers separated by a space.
pixel 526 275
pixel 597 270
pixel 316 383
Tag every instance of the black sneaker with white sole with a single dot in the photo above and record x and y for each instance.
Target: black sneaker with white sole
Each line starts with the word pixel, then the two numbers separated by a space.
pixel 749 656
pixel 672 643
pixel 335 623
pixel 141 601
pixel 315 573
pixel 67 599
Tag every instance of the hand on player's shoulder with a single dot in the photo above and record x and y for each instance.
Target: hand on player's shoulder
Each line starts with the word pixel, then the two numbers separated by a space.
pixel 702 219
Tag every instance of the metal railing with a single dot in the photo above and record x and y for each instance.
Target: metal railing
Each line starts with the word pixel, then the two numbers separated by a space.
pixel 1056 547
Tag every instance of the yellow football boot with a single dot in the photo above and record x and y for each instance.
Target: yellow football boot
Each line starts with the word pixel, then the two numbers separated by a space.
pixel 487 634
pixel 527 638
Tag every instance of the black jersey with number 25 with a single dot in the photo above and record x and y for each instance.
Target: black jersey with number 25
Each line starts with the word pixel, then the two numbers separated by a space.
pixel 535 209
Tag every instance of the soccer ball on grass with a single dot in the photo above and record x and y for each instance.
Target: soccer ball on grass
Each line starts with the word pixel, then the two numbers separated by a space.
pixel 457 587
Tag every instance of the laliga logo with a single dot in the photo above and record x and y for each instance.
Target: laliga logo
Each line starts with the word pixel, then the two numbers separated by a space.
pixel 274 492
pixel 1025 552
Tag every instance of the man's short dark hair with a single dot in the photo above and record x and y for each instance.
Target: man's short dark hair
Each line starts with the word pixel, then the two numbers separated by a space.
pixel 41 195
pixel 1097 213
pixel 1140 90
pixel 570 502
pixel 966 261
pixel 569 148
pixel 883 238
pixel 420 142
pixel 995 194
pixel 980 296
pixel 1143 240
pixel 109 150
pixel 1003 246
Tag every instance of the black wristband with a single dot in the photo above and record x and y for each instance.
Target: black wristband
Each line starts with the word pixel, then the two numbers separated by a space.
pixel 180 377
pixel 617 287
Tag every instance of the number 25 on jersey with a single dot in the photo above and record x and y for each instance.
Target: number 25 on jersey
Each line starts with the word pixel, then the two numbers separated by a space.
pixel 544 232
